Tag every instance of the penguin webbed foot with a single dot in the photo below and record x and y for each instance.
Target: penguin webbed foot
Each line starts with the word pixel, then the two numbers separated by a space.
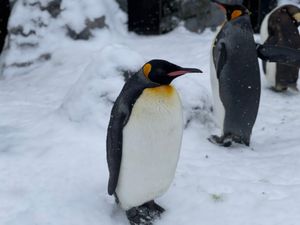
pixel 279 88
pixel 144 214
pixel 116 198
pixel 226 140
pixel 222 141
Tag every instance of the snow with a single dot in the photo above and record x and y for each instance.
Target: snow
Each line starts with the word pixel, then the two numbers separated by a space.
pixel 53 127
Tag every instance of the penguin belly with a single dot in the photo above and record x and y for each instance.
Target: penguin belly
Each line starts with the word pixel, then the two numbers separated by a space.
pixel 270 67
pixel 271 73
pixel 264 33
pixel 218 110
pixel 151 146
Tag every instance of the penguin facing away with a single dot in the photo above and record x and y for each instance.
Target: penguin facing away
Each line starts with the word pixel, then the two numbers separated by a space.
pixel 235 77
pixel 280 28
pixel 144 139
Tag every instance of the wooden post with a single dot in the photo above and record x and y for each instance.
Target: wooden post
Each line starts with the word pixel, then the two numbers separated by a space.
pixel 144 16
pixel 258 9
pixel 4 15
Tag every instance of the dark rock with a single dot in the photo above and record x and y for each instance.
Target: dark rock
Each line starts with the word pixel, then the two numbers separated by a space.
pixel 41 58
pixel 168 23
pixel 27 45
pixel 53 7
pixel 86 33
pixel 199 15
pixel 192 24
pixel 44 57
pixel 19 30
pixel 190 8
pixel 23 64
pixel 96 23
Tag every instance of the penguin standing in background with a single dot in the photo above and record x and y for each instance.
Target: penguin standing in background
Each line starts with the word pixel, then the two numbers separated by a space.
pixel 280 28
pixel 235 77
pixel 144 139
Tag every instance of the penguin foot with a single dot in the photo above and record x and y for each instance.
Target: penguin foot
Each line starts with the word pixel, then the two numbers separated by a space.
pixel 116 198
pixel 222 141
pixel 226 140
pixel 279 88
pixel 144 214
pixel 240 140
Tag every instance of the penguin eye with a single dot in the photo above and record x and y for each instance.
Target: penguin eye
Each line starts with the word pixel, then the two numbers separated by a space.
pixel 236 13
pixel 147 69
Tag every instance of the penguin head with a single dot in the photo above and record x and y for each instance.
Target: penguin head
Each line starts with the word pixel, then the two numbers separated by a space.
pixel 163 72
pixel 232 11
pixel 293 11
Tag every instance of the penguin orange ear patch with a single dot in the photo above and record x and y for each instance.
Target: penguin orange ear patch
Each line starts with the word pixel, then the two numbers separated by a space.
pixel 147 69
pixel 236 13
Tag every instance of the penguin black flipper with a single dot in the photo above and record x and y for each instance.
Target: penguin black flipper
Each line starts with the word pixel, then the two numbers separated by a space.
pixel 271 41
pixel 119 117
pixel 114 145
pixel 221 58
pixel 279 54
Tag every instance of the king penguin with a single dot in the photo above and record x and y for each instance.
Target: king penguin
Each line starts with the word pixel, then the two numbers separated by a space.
pixel 235 77
pixel 144 139
pixel 280 28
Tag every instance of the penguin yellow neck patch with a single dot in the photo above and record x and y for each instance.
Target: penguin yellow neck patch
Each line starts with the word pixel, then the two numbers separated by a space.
pixel 236 13
pixel 147 69
pixel 163 90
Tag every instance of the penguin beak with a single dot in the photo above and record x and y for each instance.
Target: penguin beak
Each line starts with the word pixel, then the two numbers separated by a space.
pixel 183 71
pixel 297 17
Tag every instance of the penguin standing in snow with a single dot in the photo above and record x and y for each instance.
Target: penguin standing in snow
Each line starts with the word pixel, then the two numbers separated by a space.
pixel 235 77
pixel 144 139
pixel 280 28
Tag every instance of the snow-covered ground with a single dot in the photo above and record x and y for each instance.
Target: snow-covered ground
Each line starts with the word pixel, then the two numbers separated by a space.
pixel 53 124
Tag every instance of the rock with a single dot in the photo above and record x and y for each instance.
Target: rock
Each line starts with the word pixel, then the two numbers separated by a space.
pixel 199 15
pixel 86 33
pixel 53 7
pixel 33 22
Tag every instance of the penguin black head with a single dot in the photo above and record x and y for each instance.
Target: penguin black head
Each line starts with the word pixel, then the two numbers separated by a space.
pixel 293 11
pixel 232 11
pixel 163 72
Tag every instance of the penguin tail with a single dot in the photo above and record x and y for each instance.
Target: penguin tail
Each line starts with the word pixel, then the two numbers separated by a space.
pixel 294 87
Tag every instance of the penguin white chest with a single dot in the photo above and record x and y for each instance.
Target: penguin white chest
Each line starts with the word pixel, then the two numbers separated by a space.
pixel 219 110
pixel 270 66
pixel 151 146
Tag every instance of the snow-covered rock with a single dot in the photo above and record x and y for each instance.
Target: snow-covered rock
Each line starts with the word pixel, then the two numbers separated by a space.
pixel 38 28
